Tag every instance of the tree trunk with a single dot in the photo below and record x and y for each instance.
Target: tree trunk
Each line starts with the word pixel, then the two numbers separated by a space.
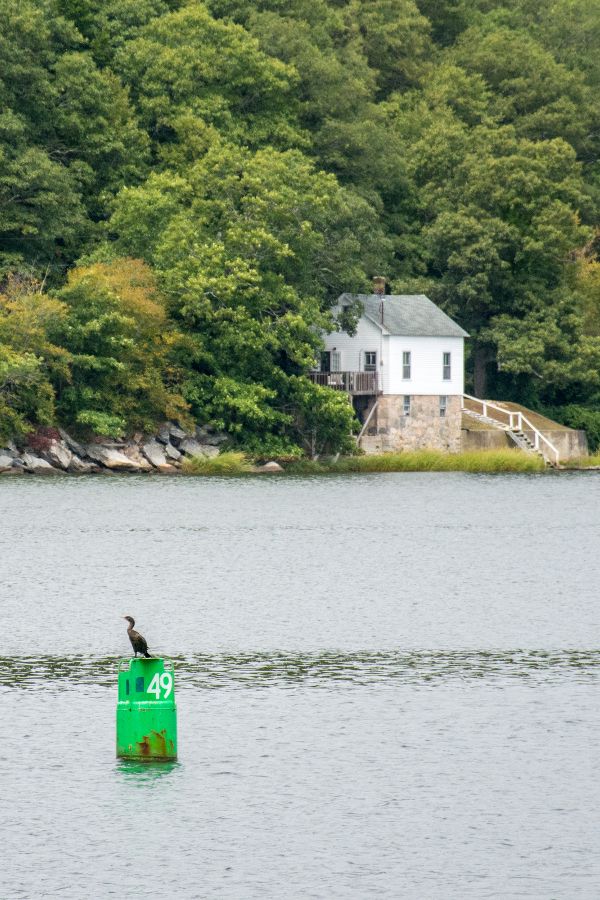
pixel 481 358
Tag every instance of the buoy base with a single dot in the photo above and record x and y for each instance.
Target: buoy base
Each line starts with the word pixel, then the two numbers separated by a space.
pixel 146 732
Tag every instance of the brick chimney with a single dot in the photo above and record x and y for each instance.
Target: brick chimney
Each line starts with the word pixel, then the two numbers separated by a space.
pixel 379 285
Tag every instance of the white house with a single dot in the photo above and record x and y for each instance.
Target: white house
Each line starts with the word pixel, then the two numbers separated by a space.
pixel 403 369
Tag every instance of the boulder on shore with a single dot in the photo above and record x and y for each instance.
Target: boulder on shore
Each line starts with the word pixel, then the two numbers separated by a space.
pixel 172 452
pixel 164 433
pixel 132 452
pixel 111 458
pixel 162 452
pixel 155 454
pixel 73 446
pixel 191 447
pixel 270 466
pixel 81 466
pixel 58 454
pixel 207 435
pixel 177 434
pixel 38 466
pixel 5 461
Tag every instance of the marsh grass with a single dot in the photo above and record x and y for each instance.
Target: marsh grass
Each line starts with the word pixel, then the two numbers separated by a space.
pixel 229 463
pixel 236 463
pixel 425 461
pixel 583 462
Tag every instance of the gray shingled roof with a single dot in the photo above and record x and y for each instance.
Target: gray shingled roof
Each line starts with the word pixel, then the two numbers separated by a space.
pixel 411 315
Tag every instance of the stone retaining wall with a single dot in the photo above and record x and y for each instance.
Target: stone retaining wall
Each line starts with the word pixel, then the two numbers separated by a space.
pixel 571 443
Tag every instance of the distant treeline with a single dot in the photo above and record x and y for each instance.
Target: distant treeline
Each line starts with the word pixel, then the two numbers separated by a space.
pixel 186 187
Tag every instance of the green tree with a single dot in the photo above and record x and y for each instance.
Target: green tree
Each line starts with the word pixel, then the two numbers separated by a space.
pixel 541 97
pixel 493 223
pixel 67 137
pixel 188 63
pixel 108 24
pixel 28 357
pixel 253 251
pixel 118 339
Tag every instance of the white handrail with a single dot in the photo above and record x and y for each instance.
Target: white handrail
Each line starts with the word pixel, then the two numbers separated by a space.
pixel 520 421
pixel 539 436
pixel 488 404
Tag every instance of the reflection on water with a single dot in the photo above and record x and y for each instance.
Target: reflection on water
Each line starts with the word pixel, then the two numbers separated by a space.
pixel 210 671
pixel 143 772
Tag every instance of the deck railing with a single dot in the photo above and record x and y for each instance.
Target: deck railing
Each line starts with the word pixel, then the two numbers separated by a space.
pixel 350 382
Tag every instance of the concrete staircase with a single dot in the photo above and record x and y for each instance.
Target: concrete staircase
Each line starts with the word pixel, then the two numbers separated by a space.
pixel 514 424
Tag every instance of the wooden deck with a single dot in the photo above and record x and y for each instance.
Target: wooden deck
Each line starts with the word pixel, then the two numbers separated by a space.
pixel 353 383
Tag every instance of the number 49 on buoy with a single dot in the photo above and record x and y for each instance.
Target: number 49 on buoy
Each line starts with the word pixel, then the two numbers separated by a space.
pixel 161 681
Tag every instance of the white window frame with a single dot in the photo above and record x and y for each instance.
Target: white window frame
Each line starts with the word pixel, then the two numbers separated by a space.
pixel 406 365
pixel 446 366
pixel 406 405
pixel 335 361
pixel 443 405
pixel 370 367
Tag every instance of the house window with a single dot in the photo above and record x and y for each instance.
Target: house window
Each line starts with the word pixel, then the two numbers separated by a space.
pixel 443 406
pixel 330 361
pixel 406 364
pixel 406 405
pixel 370 361
pixel 446 367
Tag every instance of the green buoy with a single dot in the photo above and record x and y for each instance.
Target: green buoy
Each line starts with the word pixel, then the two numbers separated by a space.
pixel 146 711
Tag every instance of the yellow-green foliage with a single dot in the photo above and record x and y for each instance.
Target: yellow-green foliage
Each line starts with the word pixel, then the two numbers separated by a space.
pixel 584 462
pixel 428 461
pixel 230 463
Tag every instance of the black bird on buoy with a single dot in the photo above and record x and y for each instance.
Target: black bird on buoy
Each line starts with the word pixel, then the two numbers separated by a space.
pixel 137 641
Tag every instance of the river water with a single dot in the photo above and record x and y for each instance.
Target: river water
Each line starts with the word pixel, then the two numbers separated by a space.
pixel 387 687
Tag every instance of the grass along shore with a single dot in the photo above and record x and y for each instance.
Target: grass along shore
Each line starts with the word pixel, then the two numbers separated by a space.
pixel 236 463
pixel 583 462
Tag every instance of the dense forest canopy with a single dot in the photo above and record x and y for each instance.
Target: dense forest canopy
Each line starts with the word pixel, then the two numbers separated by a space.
pixel 186 187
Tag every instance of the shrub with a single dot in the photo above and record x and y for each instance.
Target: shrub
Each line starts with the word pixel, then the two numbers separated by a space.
pixel 583 462
pixel 308 467
pixel 41 439
pixel 229 463
pixel 583 417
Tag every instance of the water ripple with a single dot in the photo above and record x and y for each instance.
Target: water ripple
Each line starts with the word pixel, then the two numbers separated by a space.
pixel 319 668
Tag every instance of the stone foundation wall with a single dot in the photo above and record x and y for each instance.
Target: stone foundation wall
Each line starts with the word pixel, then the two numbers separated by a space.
pixel 389 430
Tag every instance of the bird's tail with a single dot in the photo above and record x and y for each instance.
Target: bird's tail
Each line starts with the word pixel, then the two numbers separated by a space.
pixel 147 655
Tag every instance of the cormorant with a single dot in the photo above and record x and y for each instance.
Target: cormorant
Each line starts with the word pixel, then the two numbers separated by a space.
pixel 137 641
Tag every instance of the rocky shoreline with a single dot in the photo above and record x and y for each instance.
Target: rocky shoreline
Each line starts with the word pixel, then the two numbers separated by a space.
pixel 53 451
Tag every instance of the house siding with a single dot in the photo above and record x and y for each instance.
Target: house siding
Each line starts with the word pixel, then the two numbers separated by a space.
pixel 426 359
pixel 352 349
pixel 426 366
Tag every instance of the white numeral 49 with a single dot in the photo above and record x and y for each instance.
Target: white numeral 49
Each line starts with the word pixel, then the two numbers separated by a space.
pixel 164 682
